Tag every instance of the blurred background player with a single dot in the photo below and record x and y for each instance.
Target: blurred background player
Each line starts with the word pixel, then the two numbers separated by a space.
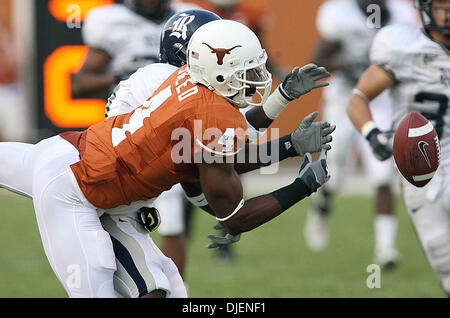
pixel 347 29
pixel 253 15
pixel 13 112
pixel 121 39
pixel 413 64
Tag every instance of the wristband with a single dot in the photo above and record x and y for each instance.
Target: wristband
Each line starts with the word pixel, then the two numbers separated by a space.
pixel 367 128
pixel 276 102
pixel 284 93
pixel 361 94
pixel 285 148
pixel 291 194
pixel 199 200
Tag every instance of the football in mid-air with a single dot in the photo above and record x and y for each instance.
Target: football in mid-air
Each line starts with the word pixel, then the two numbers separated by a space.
pixel 416 149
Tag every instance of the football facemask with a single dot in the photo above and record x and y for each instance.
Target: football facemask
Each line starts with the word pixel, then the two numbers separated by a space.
pixel 428 8
pixel 254 83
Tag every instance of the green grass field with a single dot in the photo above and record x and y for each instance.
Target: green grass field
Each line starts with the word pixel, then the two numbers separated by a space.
pixel 272 261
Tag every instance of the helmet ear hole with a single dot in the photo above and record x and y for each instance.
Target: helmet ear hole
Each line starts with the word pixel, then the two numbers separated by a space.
pixel 220 79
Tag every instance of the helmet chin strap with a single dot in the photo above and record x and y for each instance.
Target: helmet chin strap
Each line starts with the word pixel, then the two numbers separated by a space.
pixel 445 32
pixel 429 24
pixel 236 103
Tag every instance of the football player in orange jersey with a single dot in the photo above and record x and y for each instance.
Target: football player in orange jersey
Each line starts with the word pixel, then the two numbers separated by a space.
pixel 131 94
pixel 190 130
pixel 122 38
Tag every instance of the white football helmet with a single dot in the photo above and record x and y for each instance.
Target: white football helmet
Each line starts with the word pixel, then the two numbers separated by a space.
pixel 226 56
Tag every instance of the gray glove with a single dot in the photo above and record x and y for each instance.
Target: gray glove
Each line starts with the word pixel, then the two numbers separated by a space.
pixel 314 173
pixel 303 80
pixel 312 137
pixel 222 240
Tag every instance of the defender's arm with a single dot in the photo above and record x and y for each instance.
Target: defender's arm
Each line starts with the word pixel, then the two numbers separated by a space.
pixel 91 77
pixel 325 54
pixel 371 84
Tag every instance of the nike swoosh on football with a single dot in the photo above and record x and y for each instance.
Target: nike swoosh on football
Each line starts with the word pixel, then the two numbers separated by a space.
pixel 421 146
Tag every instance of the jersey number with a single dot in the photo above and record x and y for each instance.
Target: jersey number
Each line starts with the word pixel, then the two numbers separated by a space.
pixel 436 117
pixel 137 118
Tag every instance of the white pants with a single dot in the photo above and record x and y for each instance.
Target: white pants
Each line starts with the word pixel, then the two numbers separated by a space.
pixel 141 266
pixel 429 211
pixel 346 138
pixel 80 251
pixel 171 204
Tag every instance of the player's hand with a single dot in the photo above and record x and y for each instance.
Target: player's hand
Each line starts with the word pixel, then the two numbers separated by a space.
pixel 303 80
pixel 379 141
pixel 312 137
pixel 150 218
pixel 217 241
pixel 314 173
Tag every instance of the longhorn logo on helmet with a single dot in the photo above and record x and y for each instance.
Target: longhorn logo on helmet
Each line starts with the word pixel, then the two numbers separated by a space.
pixel 221 52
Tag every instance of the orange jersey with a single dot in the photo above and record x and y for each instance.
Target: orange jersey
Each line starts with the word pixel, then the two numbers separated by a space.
pixel 253 15
pixel 136 156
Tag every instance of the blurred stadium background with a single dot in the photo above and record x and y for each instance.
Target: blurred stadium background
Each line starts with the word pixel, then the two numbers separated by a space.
pixel 273 260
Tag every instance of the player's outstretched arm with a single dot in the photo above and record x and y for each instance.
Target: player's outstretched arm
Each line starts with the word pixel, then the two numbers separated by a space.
pixel 309 136
pixel 371 84
pixel 326 54
pixel 226 197
pixel 298 82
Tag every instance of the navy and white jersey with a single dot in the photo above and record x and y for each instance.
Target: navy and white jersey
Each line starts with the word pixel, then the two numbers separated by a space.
pixel 140 86
pixel 421 69
pixel 131 40
pixel 344 22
